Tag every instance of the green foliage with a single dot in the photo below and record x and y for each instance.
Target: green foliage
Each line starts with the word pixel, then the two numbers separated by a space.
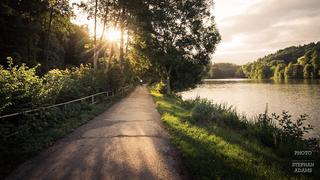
pixel 239 73
pixel 307 71
pixel 225 70
pixel 288 71
pixel 160 87
pixel 279 71
pixel 36 32
pixel 301 61
pixel 204 111
pixel 315 61
pixel 295 63
pixel 219 150
pixel 22 89
pixel 178 37
pixel 281 132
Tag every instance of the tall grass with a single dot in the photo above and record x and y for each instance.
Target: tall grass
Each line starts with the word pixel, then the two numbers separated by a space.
pixel 217 143
pixel 279 132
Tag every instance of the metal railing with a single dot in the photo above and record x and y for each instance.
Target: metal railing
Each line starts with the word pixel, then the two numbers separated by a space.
pixel 120 91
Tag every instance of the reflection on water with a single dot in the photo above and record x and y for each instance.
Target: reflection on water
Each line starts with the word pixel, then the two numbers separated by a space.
pixel 250 96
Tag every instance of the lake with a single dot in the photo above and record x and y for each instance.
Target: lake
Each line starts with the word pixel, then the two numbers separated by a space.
pixel 250 97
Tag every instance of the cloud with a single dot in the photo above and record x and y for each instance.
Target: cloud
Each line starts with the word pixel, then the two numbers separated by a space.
pixel 264 26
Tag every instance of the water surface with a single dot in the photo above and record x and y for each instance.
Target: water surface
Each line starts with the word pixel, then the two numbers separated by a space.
pixel 250 97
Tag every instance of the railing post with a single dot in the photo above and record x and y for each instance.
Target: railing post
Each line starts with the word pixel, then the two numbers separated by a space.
pixel 92 99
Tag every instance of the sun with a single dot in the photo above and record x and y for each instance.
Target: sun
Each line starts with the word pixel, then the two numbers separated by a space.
pixel 113 34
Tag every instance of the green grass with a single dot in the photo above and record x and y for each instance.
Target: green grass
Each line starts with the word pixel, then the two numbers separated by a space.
pixel 213 151
pixel 18 149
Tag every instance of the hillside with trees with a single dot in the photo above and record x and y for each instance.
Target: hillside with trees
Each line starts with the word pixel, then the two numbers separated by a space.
pixel 296 62
pixel 225 70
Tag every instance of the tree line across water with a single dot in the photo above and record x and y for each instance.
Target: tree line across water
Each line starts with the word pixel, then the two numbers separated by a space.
pixel 296 62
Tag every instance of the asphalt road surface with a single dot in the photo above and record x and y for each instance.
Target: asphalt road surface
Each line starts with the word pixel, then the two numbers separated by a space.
pixel 125 142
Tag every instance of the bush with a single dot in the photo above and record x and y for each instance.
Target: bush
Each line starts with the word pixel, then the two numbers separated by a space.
pixel 279 132
pixel 263 128
pixel 22 89
pixel 205 110
pixel 160 87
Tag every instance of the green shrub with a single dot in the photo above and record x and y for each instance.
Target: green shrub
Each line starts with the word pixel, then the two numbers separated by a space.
pixel 279 132
pixel 291 133
pixel 205 110
pixel 160 87
pixel 190 103
pixel 22 89
pixel 263 127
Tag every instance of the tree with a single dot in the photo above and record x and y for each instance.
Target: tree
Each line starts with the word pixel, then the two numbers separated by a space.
pixel 239 73
pixel 60 11
pixel 279 71
pixel 288 71
pixel 308 56
pixel 225 70
pixel 77 47
pixel 299 56
pixel 247 69
pixel 35 32
pixel 179 40
pixel 301 60
pixel 297 71
pixel 95 57
pixel 307 71
pixel 315 60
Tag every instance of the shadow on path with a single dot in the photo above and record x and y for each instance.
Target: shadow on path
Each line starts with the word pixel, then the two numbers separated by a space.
pixel 125 142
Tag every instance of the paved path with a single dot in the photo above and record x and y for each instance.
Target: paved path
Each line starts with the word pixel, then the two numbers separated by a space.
pixel 125 142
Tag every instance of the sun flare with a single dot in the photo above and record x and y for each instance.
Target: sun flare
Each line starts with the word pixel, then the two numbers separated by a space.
pixel 113 34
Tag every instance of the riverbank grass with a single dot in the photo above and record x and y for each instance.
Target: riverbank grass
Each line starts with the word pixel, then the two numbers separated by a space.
pixel 218 150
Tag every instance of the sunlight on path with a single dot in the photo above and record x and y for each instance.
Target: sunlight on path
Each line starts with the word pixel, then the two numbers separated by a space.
pixel 125 142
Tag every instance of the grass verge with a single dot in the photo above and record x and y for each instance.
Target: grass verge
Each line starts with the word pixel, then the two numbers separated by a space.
pixel 215 151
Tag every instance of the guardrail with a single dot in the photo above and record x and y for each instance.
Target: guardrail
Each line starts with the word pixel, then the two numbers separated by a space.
pixel 92 97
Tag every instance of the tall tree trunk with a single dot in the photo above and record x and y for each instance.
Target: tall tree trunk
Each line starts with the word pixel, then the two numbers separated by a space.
pixel 122 26
pixel 169 80
pixel 95 59
pixel 105 20
pixel 128 41
pixel 121 55
pixel 48 41
pixel 110 56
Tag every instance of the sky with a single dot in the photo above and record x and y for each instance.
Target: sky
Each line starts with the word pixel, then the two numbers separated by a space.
pixel 81 18
pixel 254 28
